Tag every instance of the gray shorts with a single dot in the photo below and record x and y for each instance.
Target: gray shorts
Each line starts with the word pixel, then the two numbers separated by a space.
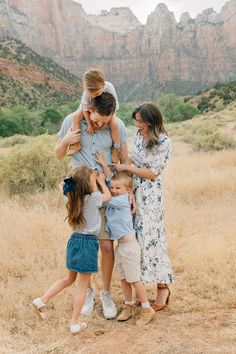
pixel 127 260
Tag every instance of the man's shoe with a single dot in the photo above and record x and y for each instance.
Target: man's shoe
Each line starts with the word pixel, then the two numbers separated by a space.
pixel 89 302
pixel 126 313
pixel 108 306
pixel 146 316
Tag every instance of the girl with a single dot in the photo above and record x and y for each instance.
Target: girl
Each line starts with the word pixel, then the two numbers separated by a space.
pixel 94 85
pixel 83 203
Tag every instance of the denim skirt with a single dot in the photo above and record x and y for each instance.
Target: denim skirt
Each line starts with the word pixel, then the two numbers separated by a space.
pixel 82 253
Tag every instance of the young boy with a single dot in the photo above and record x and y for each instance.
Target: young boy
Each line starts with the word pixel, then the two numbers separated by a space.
pixel 127 252
pixel 94 85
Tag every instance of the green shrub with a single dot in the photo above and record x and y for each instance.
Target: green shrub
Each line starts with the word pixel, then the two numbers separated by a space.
pixel 207 138
pixel 203 104
pixel 14 140
pixel 213 142
pixel 33 167
pixel 175 110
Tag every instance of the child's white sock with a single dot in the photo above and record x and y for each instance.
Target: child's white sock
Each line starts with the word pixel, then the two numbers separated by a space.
pixel 129 303
pixel 145 305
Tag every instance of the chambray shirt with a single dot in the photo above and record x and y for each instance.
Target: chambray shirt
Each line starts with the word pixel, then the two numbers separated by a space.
pixel 101 141
pixel 119 217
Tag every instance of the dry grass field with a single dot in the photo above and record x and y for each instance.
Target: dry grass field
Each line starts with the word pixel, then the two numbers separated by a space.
pixel 200 215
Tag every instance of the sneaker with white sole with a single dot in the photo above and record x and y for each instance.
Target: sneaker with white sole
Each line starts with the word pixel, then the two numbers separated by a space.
pixel 108 306
pixel 78 327
pixel 89 302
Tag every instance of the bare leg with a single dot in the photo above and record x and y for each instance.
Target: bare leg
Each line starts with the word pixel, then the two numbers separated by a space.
pixel 107 262
pixel 127 290
pixel 162 295
pixel 76 119
pixel 115 132
pixel 59 285
pixel 80 295
pixel 140 291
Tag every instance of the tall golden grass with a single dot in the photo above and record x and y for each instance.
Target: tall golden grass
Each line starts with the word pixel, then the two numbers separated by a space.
pixel 200 207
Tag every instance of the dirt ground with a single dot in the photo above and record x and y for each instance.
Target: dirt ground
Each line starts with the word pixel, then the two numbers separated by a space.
pixel 200 218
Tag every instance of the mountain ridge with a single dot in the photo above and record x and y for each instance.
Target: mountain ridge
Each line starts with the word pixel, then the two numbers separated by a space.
pixel 163 53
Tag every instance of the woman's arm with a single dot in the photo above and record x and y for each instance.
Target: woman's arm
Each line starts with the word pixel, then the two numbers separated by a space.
pixel 141 172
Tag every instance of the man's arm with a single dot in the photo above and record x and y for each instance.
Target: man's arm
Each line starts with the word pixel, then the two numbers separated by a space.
pixel 71 137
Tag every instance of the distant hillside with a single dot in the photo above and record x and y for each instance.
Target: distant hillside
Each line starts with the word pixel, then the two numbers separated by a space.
pixel 29 79
pixel 215 98
pixel 163 55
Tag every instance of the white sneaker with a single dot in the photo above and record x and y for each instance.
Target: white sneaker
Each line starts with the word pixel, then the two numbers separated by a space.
pixel 108 306
pixel 89 302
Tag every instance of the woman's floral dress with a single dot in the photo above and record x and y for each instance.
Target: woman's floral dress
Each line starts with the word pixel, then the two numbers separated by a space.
pixel 148 220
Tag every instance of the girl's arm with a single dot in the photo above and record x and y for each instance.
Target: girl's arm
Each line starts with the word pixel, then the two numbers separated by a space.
pixel 100 159
pixel 141 172
pixel 106 195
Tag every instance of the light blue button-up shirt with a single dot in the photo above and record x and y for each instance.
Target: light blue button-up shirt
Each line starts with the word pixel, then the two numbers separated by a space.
pixel 119 217
pixel 101 141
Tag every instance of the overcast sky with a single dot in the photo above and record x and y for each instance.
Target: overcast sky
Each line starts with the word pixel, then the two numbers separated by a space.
pixel 143 8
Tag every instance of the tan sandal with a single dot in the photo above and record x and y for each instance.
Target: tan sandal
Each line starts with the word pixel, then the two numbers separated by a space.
pixel 161 307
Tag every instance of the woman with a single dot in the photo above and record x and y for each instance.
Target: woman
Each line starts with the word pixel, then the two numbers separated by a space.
pixel 151 153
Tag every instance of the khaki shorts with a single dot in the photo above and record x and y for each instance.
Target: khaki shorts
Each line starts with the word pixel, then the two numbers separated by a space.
pixel 127 260
pixel 103 234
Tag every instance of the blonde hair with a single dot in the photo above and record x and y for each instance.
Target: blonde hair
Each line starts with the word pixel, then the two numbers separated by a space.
pixel 125 176
pixel 93 80
pixel 75 202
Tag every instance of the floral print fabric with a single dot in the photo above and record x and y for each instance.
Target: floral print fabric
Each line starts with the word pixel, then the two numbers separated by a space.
pixel 148 220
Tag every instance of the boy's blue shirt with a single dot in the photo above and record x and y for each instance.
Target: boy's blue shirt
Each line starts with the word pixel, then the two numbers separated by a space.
pixel 119 217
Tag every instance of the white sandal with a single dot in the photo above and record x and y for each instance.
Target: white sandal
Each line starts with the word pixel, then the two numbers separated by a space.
pixel 78 327
pixel 38 304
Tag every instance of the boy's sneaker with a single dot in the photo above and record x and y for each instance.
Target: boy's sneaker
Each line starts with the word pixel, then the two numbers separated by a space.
pixel 146 316
pixel 89 302
pixel 115 155
pixel 108 306
pixel 72 149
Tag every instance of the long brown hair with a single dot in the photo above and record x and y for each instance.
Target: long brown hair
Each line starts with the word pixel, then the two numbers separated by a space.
pixel 75 202
pixel 151 115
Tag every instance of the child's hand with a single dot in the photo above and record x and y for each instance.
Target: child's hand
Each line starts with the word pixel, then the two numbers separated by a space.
pixel 90 130
pixel 101 178
pixel 100 158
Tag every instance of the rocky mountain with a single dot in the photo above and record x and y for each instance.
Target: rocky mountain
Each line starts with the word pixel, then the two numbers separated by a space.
pixel 140 59
pixel 29 79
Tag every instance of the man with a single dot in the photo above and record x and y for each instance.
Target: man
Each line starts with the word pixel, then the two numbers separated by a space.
pixel 103 108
